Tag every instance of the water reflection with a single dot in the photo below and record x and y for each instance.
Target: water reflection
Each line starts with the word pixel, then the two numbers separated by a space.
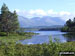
pixel 44 37
pixel 69 37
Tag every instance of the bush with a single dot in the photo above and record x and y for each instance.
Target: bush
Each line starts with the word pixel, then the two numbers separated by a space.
pixel 3 33
pixel 21 33
pixel 65 29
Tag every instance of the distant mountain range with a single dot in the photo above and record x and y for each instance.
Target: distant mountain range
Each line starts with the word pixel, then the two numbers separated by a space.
pixel 38 21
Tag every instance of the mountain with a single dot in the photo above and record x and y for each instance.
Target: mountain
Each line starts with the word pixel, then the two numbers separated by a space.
pixel 40 21
pixel 24 22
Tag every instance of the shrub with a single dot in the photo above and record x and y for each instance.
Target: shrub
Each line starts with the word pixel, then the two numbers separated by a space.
pixel 3 33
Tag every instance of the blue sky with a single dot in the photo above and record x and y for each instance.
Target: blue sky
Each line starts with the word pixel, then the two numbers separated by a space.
pixel 58 5
pixel 44 6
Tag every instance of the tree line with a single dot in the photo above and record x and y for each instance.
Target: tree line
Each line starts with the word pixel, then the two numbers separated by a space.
pixel 8 20
pixel 69 26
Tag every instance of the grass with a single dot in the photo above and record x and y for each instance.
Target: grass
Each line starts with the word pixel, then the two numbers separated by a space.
pixel 14 37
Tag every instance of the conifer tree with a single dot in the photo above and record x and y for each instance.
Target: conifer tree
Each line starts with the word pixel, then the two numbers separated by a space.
pixel 8 20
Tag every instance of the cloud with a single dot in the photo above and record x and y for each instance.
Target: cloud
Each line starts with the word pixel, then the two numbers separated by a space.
pixel 38 12
pixel 51 12
pixel 65 15
pixel 17 10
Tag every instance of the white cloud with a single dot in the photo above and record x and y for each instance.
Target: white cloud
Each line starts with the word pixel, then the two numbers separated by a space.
pixel 31 11
pixel 17 10
pixel 64 13
pixel 39 13
pixel 51 12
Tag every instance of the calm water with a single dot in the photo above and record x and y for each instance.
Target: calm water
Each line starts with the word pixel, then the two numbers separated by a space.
pixel 44 37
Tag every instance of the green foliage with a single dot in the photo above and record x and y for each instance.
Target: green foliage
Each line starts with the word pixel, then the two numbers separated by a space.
pixel 51 49
pixel 65 29
pixel 70 26
pixel 3 34
pixel 8 20
pixel 69 23
pixel 14 37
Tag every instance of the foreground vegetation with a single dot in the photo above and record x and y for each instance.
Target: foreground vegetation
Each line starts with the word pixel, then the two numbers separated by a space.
pixel 14 37
pixel 52 49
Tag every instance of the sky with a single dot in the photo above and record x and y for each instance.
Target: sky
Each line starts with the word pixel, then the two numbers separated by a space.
pixel 31 8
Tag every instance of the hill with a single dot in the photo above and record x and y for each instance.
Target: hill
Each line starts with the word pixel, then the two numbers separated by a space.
pixel 37 21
